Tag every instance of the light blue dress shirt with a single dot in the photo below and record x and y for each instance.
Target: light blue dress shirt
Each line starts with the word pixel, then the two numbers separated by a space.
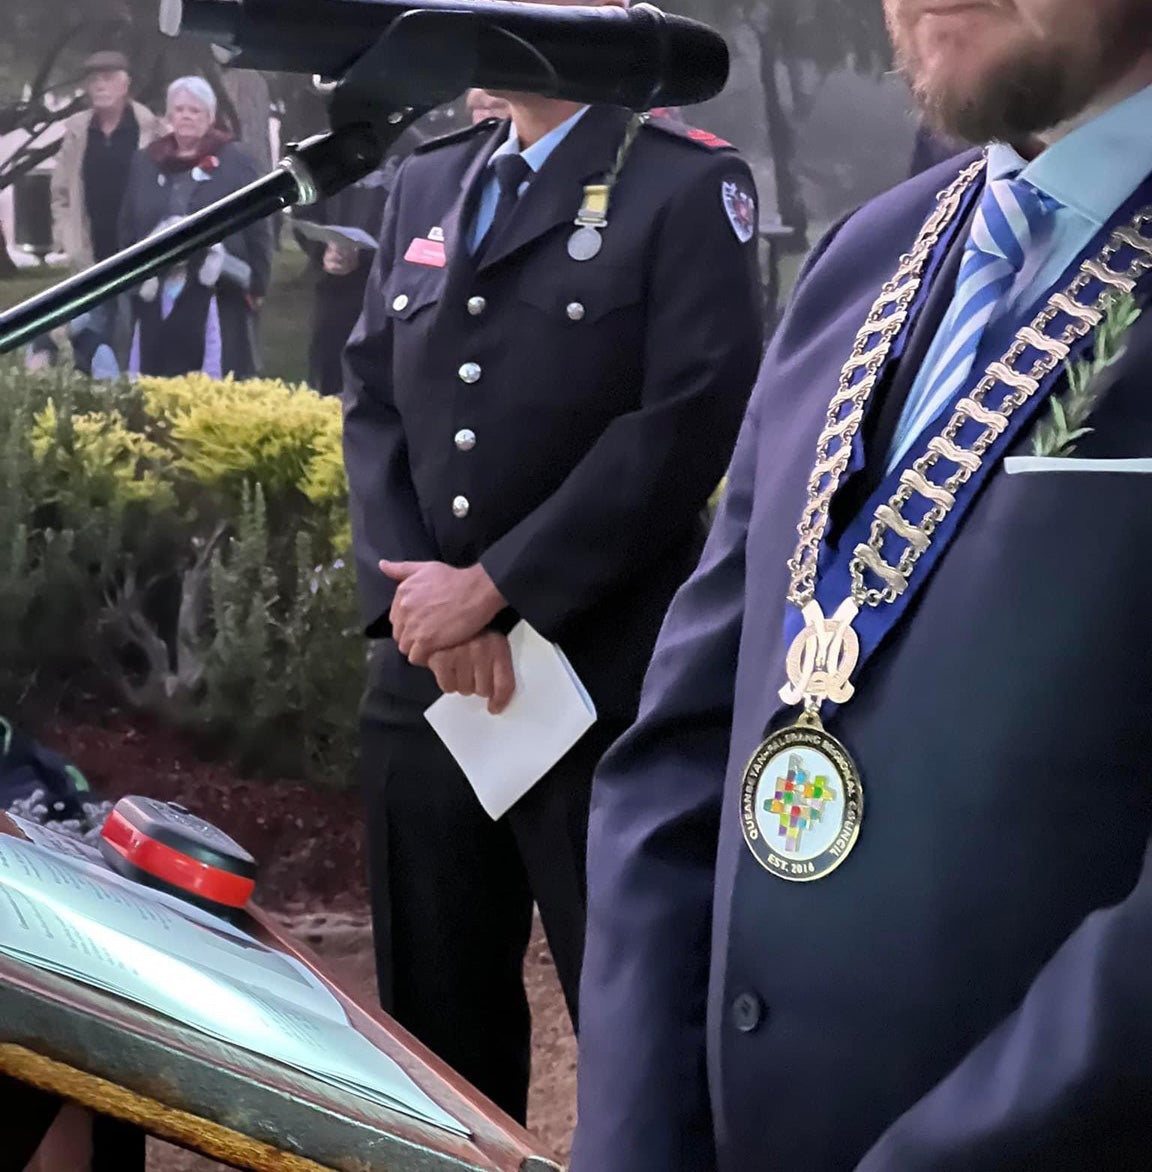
pixel 1091 173
pixel 535 156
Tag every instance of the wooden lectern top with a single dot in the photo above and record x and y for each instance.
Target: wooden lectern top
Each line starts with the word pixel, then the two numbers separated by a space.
pixel 122 1060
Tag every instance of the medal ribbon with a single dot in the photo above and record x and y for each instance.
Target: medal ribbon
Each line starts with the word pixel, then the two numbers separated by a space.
pixel 598 196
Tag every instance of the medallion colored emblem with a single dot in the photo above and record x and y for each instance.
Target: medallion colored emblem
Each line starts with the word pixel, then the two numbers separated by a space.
pixel 740 204
pixel 801 803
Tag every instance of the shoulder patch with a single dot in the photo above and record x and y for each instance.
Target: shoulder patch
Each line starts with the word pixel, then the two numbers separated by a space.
pixel 469 132
pixel 739 200
pixel 677 129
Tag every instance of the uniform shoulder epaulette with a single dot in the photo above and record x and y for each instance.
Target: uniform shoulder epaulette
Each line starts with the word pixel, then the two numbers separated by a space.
pixel 433 144
pixel 704 139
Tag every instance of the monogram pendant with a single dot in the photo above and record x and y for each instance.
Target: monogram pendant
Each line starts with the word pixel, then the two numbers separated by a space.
pixel 801 802
pixel 823 657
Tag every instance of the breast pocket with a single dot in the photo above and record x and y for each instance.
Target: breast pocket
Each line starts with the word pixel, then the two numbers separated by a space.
pixel 1071 466
pixel 574 296
pixel 1097 508
pixel 412 289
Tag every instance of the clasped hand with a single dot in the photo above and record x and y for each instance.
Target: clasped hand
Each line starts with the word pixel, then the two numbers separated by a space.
pixel 440 617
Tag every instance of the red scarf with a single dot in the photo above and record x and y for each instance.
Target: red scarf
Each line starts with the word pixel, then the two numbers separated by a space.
pixel 166 155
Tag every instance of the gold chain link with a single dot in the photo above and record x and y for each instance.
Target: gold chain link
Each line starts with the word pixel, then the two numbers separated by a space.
pixel 870 354
pixel 1054 349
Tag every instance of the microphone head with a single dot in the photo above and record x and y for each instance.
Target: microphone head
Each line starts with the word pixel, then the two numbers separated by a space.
pixel 638 57
pixel 696 62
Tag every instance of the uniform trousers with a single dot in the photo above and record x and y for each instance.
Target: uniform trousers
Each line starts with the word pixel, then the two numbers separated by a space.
pixel 452 897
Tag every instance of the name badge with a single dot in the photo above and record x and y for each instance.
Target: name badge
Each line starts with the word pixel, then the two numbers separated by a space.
pixel 426 252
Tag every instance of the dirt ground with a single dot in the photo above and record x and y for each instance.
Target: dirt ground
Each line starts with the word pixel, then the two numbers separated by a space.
pixel 309 842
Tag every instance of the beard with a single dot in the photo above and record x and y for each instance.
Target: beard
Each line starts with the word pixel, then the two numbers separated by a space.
pixel 1038 86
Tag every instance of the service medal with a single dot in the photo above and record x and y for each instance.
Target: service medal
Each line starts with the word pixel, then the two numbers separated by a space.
pixel 801 803
pixel 585 244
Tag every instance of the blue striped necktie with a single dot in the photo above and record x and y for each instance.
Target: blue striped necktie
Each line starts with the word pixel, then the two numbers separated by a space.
pixel 1011 215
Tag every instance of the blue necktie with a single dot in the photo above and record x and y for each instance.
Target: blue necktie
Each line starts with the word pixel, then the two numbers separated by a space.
pixel 1010 217
pixel 512 172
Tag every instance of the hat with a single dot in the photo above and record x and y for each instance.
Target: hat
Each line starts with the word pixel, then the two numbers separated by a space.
pixel 106 60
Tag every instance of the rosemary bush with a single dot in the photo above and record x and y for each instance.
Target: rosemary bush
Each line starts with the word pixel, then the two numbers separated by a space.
pixel 181 540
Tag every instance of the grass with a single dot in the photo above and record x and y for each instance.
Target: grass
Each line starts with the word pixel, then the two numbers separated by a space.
pixel 286 319
pixel 285 322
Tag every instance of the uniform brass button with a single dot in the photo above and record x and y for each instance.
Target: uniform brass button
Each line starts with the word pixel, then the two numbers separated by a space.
pixel 461 507
pixel 477 305
pixel 576 311
pixel 747 1013
pixel 470 372
pixel 466 440
pixel 400 303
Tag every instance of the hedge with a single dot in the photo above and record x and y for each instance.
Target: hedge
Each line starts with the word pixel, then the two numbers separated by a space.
pixel 183 539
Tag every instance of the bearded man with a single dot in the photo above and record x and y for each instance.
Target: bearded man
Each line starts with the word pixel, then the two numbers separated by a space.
pixel 868 879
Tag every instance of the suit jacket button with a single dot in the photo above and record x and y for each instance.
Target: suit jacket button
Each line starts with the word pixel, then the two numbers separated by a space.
pixel 575 311
pixel 477 305
pixel 461 507
pixel 466 439
pixel 400 303
pixel 747 1013
pixel 470 372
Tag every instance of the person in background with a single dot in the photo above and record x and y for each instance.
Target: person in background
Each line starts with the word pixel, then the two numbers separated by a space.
pixel 199 315
pixel 88 185
pixel 536 413
pixel 341 265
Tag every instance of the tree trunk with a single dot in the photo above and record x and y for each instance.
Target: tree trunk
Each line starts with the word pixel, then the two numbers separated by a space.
pixel 7 265
pixel 782 143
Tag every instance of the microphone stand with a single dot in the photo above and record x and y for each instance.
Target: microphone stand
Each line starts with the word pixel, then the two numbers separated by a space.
pixel 405 74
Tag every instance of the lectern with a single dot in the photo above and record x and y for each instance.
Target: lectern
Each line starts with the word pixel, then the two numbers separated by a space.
pixel 61 1038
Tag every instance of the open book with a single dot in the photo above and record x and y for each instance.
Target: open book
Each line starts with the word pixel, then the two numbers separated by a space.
pixel 64 913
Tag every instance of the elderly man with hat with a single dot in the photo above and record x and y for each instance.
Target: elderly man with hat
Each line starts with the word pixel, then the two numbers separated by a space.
pixel 92 165
pixel 91 174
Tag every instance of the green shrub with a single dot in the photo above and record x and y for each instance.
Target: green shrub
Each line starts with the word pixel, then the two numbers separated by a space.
pixel 184 538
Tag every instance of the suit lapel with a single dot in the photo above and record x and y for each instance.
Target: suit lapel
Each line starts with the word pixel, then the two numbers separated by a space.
pixel 554 196
pixel 882 420
pixel 459 216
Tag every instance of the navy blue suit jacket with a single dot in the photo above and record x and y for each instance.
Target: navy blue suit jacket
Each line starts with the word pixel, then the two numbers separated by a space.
pixel 972 990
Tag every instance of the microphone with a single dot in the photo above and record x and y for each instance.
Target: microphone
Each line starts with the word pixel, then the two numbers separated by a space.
pixel 638 58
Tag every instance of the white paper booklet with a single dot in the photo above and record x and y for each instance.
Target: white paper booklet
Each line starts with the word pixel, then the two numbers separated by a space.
pixel 335 234
pixel 504 756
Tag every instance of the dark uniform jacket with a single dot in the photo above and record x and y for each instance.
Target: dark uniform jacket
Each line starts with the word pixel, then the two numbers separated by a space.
pixel 562 422
pixel 972 990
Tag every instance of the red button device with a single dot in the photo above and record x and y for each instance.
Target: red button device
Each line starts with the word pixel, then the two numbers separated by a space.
pixel 164 846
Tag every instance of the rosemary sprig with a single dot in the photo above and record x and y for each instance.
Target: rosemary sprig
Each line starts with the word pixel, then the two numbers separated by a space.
pixel 1069 412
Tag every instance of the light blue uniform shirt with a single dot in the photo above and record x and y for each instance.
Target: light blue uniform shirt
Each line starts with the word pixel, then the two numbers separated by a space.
pixel 1091 173
pixel 535 156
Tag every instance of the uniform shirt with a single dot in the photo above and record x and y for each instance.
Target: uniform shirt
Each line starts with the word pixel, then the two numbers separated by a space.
pixel 535 156
pixel 1090 172
pixel 106 162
